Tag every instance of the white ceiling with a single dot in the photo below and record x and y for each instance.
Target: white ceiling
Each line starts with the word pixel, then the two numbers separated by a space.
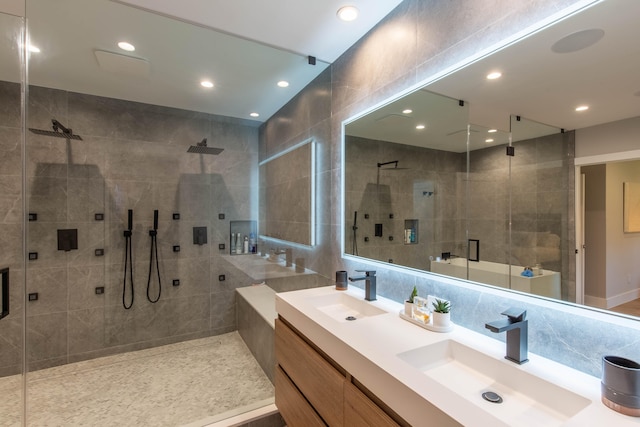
pixel 537 84
pixel 78 41
pixel 306 27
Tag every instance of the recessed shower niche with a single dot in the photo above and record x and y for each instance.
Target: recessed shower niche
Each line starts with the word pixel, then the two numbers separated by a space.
pixel 243 237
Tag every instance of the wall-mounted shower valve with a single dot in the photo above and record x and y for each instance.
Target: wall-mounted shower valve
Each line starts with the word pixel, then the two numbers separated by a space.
pixel 176 282
pixel 199 235
pixel 222 278
pixel 68 239
pixel 99 290
pixel 176 248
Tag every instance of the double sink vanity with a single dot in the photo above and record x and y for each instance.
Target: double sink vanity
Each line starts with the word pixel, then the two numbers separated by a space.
pixel 382 370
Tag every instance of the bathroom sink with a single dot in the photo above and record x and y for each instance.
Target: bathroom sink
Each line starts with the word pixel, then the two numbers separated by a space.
pixel 526 398
pixel 344 307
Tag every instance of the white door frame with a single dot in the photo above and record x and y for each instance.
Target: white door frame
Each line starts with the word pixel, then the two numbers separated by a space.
pixel 622 156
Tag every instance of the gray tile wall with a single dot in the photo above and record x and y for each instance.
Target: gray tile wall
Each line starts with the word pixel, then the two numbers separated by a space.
pixel 133 156
pixel 417 40
pixel 258 335
pixel 381 193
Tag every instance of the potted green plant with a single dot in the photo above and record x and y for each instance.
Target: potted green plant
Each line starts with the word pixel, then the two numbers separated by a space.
pixel 408 304
pixel 441 313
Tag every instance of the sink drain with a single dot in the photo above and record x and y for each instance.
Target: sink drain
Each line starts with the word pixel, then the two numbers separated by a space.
pixel 350 318
pixel 492 397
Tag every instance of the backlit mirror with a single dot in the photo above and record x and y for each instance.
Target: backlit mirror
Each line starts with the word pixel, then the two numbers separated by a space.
pixel 513 203
pixel 286 198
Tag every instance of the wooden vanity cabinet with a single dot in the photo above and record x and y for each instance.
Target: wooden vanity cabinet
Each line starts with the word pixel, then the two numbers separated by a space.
pixel 312 390
pixel 292 405
pixel 318 381
pixel 360 411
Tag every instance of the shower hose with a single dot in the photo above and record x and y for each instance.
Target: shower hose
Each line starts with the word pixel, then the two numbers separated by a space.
pixel 128 263
pixel 154 251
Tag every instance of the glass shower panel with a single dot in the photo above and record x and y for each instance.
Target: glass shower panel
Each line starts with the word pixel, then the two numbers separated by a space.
pixel 11 222
pixel 542 207
pixel 130 318
pixel 488 199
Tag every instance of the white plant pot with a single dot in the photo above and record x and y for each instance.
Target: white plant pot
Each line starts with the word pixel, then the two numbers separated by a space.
pixel 441 320
pixel 408 308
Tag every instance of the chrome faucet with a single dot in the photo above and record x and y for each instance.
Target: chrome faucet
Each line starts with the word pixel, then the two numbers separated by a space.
pixel 369 283
pixel 516 326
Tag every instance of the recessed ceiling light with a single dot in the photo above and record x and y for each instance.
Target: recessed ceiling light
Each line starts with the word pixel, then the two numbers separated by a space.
pixel 492 130
pixel 283 83
pixel 348 13
pixel 254 115
pixel 582 108
pixel 34 49
pixel 206 83
pixel 407 111
pixel 494 75
pixel 488 140
pixel 420 127
pixel 126 46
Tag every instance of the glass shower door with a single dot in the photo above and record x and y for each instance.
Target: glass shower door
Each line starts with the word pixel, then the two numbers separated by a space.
pixel 11 223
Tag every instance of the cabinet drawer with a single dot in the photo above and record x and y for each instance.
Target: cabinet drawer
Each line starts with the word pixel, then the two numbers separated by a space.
pixel 360 411
pixel 320 383
pixel 293 407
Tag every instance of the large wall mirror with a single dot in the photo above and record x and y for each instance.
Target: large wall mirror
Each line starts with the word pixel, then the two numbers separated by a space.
pixel 475 178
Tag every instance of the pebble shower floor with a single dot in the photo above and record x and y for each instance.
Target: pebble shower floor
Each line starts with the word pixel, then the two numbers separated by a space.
pixel 170 385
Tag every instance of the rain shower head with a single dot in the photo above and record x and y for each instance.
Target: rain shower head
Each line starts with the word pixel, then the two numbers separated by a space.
pixel 393 162
pixel 201 148
pixel 59 131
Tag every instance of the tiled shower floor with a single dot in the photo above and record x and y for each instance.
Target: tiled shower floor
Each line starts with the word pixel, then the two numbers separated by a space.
pixel 170 385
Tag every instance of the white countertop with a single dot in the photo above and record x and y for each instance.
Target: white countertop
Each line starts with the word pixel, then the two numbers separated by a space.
pixel 368 349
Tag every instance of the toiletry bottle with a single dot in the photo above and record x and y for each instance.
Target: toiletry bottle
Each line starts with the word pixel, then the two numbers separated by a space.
pixel 238 243
pixel 252 243
pixel 245 245
pixel 538 269
pixel 233 243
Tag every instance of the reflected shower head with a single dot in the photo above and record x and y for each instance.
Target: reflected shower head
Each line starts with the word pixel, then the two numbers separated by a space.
pixel 201 148
pixel 393 162
pixel 59 131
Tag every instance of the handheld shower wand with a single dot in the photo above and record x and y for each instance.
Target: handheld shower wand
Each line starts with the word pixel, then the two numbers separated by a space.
pixel 355 233
pixel 128 261
pixel 154 250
